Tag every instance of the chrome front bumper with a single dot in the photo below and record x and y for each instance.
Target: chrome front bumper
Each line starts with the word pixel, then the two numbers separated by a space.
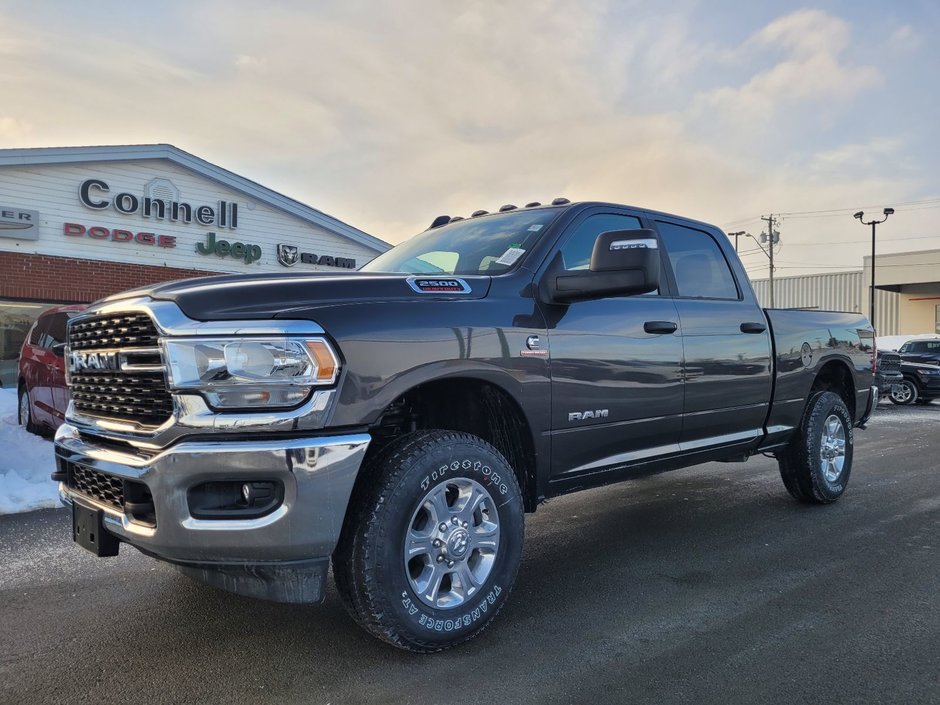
pixel 317 474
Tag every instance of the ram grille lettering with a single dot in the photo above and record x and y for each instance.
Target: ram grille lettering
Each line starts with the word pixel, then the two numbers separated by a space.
pixel 80 361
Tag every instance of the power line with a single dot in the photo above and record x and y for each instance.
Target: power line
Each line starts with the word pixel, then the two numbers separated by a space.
pixel 837 212
pixel 831 243
pixel 855 208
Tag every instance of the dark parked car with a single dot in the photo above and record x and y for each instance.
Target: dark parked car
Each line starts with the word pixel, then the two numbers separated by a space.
pixel 920 368
pixel 43 393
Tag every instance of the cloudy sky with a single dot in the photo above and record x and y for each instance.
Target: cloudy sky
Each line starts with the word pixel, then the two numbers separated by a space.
pixel 388 113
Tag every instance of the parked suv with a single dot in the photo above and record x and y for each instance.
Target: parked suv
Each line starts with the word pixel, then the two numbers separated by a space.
pixel 925 351
pixel 43 394
pixel 920 367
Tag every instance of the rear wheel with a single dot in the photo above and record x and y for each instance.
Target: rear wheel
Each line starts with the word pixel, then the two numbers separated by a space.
pixel 815 467
pixel 904 393
pixel 431 546
pixel 25 411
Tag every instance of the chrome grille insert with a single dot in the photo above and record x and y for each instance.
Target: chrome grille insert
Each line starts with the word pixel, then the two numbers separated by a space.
pixel 137 391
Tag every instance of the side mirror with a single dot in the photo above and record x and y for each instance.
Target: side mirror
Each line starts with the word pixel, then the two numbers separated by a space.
pixel 623 263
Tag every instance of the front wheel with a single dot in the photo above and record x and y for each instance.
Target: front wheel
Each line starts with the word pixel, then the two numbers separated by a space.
pixel 432 542
pixel 904 393
pixel 816 465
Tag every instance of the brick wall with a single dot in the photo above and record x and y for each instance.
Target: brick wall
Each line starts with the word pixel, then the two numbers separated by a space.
pixel 68 279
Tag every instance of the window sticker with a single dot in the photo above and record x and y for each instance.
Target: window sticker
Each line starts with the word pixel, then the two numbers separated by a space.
pixel 510 256
pixel 535 228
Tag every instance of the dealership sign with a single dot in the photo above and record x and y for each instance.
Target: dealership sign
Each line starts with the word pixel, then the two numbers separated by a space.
pixel 18 223
pixel 99 232
pixel 289 255
pixel 96 194
pixel 223 248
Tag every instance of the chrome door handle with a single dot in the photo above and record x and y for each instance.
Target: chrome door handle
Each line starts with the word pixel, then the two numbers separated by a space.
pixel 660 327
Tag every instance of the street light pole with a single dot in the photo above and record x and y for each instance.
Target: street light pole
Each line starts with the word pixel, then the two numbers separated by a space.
pixel 871 294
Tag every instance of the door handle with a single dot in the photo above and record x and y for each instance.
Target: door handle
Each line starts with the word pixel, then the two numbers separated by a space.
pixel 753 327
pixel 661 327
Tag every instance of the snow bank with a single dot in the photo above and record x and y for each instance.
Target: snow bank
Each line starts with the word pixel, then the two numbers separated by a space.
pixel 26 461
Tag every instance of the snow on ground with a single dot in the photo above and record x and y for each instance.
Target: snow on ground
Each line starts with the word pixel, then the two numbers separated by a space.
pixel 26 461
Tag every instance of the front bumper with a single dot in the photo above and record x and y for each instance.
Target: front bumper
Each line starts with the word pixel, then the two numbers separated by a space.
pixel 317 475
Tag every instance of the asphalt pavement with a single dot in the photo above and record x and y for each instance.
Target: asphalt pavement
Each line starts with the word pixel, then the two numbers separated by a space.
pixel 706 585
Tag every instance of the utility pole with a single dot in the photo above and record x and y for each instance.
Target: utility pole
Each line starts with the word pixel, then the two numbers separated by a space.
pixel 736 235
pixel 772 239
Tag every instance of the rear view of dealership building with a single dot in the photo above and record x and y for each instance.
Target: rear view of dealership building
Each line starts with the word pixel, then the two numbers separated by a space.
pixel 80 223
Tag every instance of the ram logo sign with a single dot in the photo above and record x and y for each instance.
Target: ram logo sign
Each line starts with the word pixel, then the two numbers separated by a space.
pixel 586 415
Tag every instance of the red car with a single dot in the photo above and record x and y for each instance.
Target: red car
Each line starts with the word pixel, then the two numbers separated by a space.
pixel 43 394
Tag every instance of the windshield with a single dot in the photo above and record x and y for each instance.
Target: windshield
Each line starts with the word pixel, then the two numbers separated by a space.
pixel 489 244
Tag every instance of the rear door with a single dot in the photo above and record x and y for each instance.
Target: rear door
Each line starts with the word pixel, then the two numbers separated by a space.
pixel 725 339
pixel 616 387
pixel 35 369
pixel 55 365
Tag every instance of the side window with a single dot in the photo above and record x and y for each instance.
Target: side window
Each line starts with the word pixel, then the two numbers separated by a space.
pixel 700 268
pixel 580 244
pixel 57 329
pixel 918 347
pixel 38 334
pixel 36 331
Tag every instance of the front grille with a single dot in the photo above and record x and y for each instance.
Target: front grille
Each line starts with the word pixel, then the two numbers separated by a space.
pixel 125 330
pixel 107 489
pixel 138 391
pixel 140 397
pixel 889 362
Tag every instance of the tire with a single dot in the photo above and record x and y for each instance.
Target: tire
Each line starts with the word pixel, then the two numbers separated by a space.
pixel 411 488
pixel 904 393
pixel 816 466
pixel 24 411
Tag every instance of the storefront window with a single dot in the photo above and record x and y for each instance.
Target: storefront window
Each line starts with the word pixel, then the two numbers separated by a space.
pixel 15 319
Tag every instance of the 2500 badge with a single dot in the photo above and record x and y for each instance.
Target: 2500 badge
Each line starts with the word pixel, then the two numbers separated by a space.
pixel 436 286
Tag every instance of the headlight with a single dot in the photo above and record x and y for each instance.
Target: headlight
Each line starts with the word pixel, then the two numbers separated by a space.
pixel 250 372
pixel 925 371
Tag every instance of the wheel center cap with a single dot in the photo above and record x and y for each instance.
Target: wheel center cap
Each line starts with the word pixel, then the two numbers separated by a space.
pixel 458 543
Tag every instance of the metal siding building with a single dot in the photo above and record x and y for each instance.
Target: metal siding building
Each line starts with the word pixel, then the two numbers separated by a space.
pixel 838 291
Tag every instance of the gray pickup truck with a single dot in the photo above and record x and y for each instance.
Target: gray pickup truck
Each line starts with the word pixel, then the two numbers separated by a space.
pixel 400 420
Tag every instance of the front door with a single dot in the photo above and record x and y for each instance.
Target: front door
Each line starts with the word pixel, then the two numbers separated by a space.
pixel 616 381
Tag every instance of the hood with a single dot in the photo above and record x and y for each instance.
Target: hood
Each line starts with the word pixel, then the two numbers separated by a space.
pixel 268 295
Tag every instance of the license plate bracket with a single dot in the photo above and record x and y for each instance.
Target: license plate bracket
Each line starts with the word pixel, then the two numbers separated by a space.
pixel 88 531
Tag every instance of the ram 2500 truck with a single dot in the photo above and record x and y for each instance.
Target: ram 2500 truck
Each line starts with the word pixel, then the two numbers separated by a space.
pixel 400 420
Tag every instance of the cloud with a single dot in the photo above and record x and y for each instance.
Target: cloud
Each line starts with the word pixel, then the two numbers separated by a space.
pixel 811 69
pixel 386 117
pixel 906 38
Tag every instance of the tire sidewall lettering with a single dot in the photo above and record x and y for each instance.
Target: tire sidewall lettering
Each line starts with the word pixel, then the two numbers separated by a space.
pixel 451 623
pixel 491 477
